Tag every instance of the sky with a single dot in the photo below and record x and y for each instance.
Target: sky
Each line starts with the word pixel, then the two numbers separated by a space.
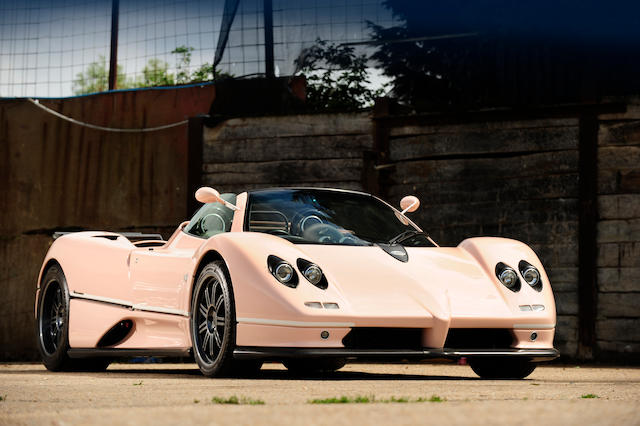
pixel 45 44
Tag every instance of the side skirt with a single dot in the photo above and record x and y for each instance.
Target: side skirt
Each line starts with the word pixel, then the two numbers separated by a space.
pixel 125 353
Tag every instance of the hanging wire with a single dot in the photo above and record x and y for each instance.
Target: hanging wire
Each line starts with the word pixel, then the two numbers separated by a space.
pixel 103 128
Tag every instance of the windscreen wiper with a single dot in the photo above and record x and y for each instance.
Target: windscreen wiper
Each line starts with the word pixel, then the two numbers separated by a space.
pixel 398 239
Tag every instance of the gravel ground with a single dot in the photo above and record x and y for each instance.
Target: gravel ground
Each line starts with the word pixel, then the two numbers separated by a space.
pixel 171 393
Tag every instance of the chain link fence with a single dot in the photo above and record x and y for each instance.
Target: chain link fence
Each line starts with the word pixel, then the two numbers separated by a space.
pixel 62 48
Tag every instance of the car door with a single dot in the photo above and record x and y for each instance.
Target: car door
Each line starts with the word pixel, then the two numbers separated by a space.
pixel 159 278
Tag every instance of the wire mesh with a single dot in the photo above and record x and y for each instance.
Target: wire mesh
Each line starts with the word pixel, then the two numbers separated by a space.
pixel 61 48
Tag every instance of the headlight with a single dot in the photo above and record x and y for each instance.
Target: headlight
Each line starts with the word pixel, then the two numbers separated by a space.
pixel 508 277
pixel 530 274
pixel 312 273
pixel 282 271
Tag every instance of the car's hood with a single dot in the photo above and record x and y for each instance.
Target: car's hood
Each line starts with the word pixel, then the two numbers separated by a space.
pixel 443 282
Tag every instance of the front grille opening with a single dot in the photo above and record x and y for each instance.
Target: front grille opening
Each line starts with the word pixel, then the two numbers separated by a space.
pixel 383 338
pixel 479 338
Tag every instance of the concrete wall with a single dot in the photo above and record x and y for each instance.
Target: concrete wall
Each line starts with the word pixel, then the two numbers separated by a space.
pixel 510 175
pixel 56 175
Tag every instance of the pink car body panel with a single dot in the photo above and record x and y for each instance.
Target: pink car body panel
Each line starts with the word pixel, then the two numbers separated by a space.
pixel 110 279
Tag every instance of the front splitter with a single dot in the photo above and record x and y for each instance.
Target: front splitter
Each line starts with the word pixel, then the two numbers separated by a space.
pixel 277 354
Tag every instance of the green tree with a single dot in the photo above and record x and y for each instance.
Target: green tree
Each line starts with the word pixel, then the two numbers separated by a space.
pixel 182 63
pixel 337 77
pixel 155 73
pixel 96 78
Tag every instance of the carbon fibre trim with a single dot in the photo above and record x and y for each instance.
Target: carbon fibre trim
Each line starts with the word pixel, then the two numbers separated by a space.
pixel 390 354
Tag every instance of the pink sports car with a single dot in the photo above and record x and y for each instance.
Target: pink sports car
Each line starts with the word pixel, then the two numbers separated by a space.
pixel 305 276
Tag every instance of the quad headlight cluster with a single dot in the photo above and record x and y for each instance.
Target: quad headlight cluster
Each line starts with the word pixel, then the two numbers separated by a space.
pixel 284 272
pixel 510 279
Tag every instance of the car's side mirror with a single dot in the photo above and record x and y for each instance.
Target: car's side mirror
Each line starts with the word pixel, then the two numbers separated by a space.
pixel 210 195
pixel 409 204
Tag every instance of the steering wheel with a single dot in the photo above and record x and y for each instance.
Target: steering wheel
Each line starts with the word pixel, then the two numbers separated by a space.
pixel 304 220
pixel 323 233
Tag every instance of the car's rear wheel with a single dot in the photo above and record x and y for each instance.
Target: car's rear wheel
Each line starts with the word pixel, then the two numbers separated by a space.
pixel 314 366
pixel 502 368
pixel 52 322
pixel 52 326
pixel 213 321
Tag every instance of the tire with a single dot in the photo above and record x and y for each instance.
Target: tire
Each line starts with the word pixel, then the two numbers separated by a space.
pixel 212 321
pixel 502 368
pixel 302 367
pixel 52 326
pixel 52 320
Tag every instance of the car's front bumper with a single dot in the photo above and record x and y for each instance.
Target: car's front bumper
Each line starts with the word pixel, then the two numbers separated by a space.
pixel 278 354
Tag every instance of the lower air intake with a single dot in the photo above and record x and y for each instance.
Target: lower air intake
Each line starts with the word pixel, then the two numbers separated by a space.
pixel 383 338
pixel 478 338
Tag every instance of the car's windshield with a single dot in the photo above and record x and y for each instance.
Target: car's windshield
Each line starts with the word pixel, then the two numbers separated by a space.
pixel 316 216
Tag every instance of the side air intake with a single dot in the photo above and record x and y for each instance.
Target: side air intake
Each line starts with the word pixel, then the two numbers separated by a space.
pixel 116 334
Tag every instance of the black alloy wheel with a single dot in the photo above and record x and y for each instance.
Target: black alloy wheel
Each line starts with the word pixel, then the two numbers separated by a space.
pixel 213 320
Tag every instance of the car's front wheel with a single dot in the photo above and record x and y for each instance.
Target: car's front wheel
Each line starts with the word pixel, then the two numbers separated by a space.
pixel 502 368
pixel 213 320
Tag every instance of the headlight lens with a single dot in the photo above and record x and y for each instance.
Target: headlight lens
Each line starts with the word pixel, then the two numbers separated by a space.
pixel 530 274
pixel 312 273
pixel 508 277
pixel 282 271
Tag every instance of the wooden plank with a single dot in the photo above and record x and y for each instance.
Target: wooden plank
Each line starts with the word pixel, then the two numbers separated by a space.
pixel 622 329
pixel 619 305
pixel 533 211
pixel 619 206
pixel 286 148
pixel 618 157
pixel 619 133
pixel 566 302
pixel 490 143
pixel 540 164
pixel 482 126
pixel 614 231
pixel 285 172
pixel 613 181
pixel 625 279
pixel 493 188
pixel 291 126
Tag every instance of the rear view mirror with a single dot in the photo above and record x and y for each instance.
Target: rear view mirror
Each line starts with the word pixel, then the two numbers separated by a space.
pixel 210 195
pixel 409 204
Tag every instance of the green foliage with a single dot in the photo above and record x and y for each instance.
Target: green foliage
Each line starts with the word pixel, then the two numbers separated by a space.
pixel 589 396
pixel 3 397
pixel 343 400
pixel 372 399
pixel 234 400
pixel 155 73
pixel 96 78
pixel 336 76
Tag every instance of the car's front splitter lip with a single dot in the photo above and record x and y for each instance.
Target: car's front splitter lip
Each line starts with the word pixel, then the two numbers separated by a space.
pixel 268 353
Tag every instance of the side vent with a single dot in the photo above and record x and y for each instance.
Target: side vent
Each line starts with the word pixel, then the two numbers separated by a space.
pixel 116 334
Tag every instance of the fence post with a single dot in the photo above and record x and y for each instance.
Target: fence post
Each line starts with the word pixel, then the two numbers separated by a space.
pixel 194 160
pixel 587 236
pixel 113 56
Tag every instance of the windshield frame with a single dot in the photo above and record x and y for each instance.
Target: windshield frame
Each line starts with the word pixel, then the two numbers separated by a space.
pixel 247 210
